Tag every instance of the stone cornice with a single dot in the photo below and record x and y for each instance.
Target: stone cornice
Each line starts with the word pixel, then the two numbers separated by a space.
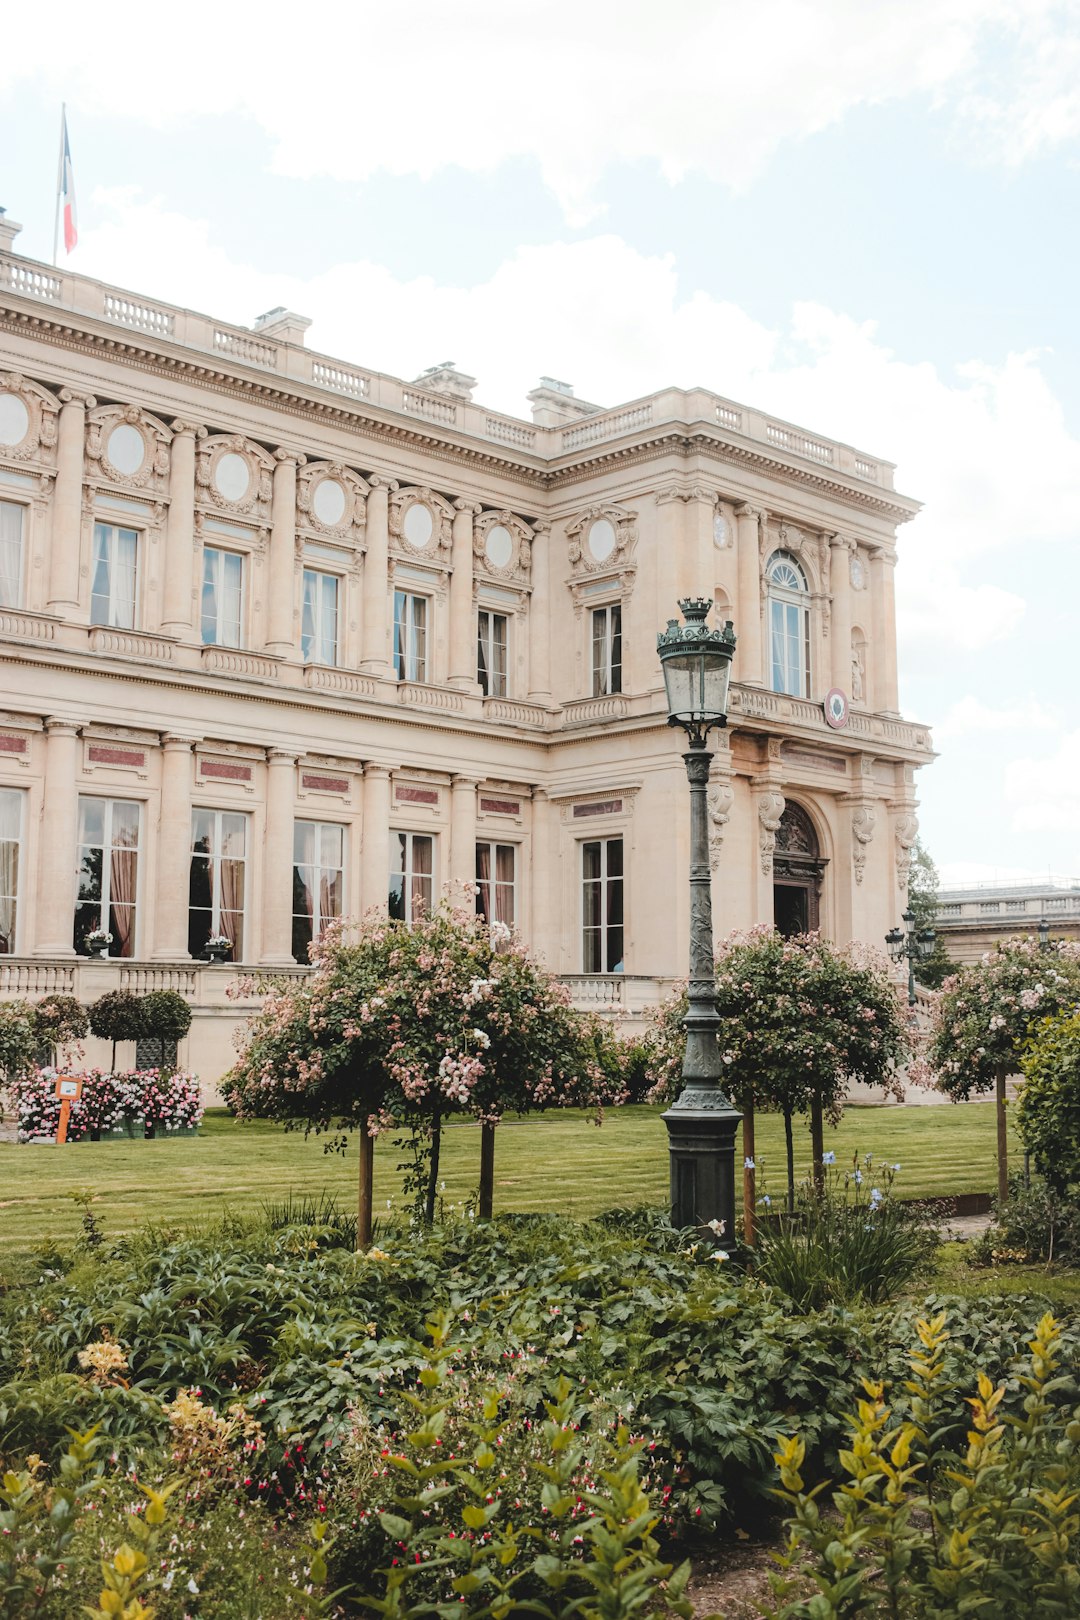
pixel 86 335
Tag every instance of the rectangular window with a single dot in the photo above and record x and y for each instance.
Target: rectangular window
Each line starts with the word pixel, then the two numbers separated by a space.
pixel 410 636
pixel 318 869
pixel 319 629
pixel 789 648
pixel 107 873
pixel 11 553
pixel 602 906
pixel 222 597
pixel 11 803
pixel 217 889
pixel 496 872
pixel 113 597
pixel 412 875
pixel 491 642
pixel 606 650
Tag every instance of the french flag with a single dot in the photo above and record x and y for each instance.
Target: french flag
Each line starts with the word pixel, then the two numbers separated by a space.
pixel 67 190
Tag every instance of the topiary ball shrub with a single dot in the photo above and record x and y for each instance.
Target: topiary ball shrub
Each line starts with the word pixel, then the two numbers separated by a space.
pixel 117 1016
pixel 166 1015
pixel 58 1019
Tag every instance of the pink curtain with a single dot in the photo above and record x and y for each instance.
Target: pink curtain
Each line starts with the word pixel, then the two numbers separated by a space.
pixel 122 861
pixel 504 884
pixel 483 881
pixel 232 904
pixel 9 883
pixel 420 888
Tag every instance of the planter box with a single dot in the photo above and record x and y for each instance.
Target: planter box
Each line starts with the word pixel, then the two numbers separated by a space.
pixel 135 1129
pixel 182 1130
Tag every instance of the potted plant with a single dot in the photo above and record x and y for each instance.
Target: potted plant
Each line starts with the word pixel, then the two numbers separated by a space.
pixel 98 941
pixel 218 948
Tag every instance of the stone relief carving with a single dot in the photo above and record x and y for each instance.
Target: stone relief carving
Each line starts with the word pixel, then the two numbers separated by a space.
pixel 314 511
pixel 863 822
pixel 721 799
pixel 858 673
pixel 517 568
pixel 905 832
pixel 255 500
pixel 436 543
pixel 152 472
pixel 582 557
pixel 770 809
pixel 42 411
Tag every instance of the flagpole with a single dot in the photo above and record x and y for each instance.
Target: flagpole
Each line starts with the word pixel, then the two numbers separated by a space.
pixel 59 184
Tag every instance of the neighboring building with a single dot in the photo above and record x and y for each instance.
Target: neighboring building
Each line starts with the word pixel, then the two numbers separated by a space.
pixel 973 921
pixel 285 639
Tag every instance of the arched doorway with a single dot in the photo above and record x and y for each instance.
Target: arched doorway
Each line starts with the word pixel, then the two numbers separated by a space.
pixel 798 869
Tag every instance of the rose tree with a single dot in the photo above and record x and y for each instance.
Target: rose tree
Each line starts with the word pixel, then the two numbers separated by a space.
pixel 409 1025
pixel 800 1018
pixel 986 1014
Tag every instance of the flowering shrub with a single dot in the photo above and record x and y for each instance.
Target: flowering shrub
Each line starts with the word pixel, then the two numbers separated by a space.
pixel 410 1025
pixel 60 1020
pixel 109 1103
pixel 20 1042
pixel 1049 1113
pixel 988 1010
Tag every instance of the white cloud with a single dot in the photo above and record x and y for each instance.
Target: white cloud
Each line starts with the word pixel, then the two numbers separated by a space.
pixel 692 86
pixel 970 715
pixel 1044 794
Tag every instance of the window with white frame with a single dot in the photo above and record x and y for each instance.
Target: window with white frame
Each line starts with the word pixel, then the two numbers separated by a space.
pixel 11 813
pixel 606 650
pixel 496 883
pixel 12 519
pixel 107 873
pixel 789 626
pixel 318 876
pixel 319 624
pixel 113 594
pixel 602 906
pixel 491 659
pixel 218 884
pixel 410 636
pixel 412 875
pixel 222 597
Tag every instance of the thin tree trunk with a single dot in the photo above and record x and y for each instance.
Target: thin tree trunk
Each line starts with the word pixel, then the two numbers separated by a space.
pixel 817 1144
pixel 487 1171
pixel 365 1201
pixel 1002 1137
pixel 433 1169
pixel 749 1182
pixel 790 1162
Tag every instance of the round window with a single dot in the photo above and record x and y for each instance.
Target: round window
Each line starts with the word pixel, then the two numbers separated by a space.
pixel 499 546
pixel 126 449
pixel 419 524
pixel 602 539
pixel 329 502
pixel 14 419
pixel 232 477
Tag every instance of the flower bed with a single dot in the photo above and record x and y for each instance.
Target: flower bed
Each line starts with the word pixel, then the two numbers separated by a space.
pixel 146 1102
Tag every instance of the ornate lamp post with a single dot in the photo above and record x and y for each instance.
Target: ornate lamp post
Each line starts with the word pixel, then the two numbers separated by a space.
pixel 701 1125
pixel 916 944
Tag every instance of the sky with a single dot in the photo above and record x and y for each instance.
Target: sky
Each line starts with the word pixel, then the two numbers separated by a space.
pixel 859 215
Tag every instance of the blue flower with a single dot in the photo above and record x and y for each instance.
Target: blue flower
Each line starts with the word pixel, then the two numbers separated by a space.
pixel 748 1164
pixel 858 1178
pixel 828 1158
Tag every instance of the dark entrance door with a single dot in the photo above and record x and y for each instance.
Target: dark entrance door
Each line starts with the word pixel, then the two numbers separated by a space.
pixel 798 869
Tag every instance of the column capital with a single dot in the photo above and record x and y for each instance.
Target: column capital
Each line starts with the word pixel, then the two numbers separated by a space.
pixel 56 726
pixel 281 756
pixel 472 507
pixel 378 481
pixel 842 542
pixel 183 429
pixel 746 509
pixel 87 401
pixel 462 784
pixel 173 743
pixel 286 458
pixel 373 770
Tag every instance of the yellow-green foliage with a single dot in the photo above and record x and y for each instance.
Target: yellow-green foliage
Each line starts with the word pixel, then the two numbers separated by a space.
pixel 917 1530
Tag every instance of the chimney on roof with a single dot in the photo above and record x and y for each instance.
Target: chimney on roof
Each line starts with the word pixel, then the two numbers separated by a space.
pixel 8 232
pixel 284 325
pixel 553 404
pixel 446 379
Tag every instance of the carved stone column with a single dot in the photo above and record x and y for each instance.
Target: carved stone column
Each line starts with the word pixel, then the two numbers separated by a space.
pixel 180 532
pixel 462 612
pixel 540 617
pixel 66 536
pixel 462 869
pixel 749 663
pixel 55 922
pixel 841 614
pixel 543 931
pixel 281 634
pixel 377 613
pixel 375 857
pixel 172 864
pixel 277 887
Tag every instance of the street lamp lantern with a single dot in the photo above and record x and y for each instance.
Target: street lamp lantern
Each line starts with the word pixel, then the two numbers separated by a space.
pixel 696 661
pixel 1044 934
pixel 912 945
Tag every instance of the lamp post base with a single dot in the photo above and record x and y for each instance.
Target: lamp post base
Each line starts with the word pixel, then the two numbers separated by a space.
pixel 701 1129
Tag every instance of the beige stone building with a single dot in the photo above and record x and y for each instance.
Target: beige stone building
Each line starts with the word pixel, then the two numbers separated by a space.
pixel 973 921
pixel 284 639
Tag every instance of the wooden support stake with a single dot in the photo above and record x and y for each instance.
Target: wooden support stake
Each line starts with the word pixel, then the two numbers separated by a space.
pixel 487 1171
pixel 367 1189
pixel 1002 1137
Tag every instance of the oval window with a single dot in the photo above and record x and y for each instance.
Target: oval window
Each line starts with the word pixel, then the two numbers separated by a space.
pixel 419 524
pixel 499 546
pixel 126 449
pixel 602 539
pixel 232 477
pixel 14 419
pixel 329 502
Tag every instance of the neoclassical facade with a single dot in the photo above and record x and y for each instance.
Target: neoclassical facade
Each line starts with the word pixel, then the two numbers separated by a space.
pixel 284 639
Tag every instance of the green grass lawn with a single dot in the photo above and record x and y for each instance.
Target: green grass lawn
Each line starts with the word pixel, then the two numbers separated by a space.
pixel 559 1163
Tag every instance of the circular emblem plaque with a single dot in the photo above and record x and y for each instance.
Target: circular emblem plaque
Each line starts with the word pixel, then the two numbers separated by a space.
pixel 836 708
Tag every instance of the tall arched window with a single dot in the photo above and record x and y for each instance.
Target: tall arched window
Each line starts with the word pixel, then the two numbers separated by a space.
pixel 789 626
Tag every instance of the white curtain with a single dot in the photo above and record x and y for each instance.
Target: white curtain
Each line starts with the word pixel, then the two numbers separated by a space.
pixel 11 530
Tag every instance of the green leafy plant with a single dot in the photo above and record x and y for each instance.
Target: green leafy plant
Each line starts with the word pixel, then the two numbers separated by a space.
pixel 1049 1111
pixel 37 1523
pixel 117 1016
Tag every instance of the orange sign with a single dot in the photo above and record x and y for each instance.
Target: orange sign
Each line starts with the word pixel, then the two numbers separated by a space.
pixel 69 1090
